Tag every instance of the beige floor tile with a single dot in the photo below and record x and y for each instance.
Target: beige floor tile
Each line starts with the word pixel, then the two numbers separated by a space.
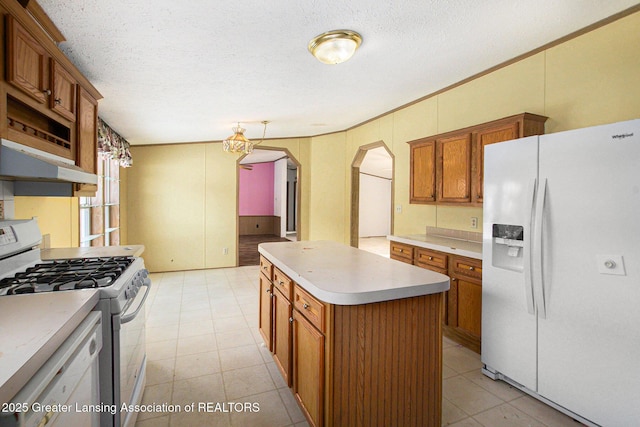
pixel 215 292
pixel 499 388
pixel 468 396
pixel 193 302
pixel 207 388
pixel 195 328
pixel 231 310
pixel 238 338
pixel 543 412
pixel 222 302
pixel 451 413
pixel 461 359
pixel 160 371
pixel 200 419
pixel 227 324
pixel 276 376
pixel 154 422
pixel 271 413
pixel 195 316
pixel 290 403
pixel 196 344
pixel 159 393
pixel 196 365
pixel 161 333
pixel 161 350
pixel 243 382
pixel 240 357
pixel 467 422
pixel 506 415
pixel 447 372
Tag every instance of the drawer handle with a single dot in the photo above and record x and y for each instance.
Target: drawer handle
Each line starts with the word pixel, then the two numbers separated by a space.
pixel 305 306
pixel 268 291
pixel 430 258
pixel 281 282
pixel 401 250
pixel 471 268
pixel 264 267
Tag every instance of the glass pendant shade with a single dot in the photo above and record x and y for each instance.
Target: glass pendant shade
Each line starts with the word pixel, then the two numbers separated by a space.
pixel 238 143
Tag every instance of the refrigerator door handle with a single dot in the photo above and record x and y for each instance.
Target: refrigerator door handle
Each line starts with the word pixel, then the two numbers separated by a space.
pixel 538 283
pixel 528 279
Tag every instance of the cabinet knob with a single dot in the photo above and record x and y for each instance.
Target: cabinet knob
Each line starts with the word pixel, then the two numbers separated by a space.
pixel 290 319
pixel 453 279
pixel 58 101
pixel 47 92
pixel 268 291
pixel 430 258
pixel 305 306
pixel 471 268
pixel 281 282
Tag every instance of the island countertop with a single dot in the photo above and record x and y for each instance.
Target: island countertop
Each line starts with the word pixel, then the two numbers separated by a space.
pixel 343 275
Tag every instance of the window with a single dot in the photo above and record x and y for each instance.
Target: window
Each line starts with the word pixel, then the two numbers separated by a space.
pixel 100 215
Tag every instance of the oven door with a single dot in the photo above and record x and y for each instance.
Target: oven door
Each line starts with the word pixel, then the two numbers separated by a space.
pixel 130 353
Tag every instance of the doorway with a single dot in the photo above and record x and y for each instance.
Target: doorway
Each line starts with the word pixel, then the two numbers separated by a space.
pixel 372 172
pixel 267 201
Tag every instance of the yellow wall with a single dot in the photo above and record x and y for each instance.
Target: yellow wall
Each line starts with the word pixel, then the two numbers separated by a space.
pixel 181 199
pixel 57 217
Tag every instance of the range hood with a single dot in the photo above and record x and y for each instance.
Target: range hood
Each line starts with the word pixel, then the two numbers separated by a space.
pixel 36 173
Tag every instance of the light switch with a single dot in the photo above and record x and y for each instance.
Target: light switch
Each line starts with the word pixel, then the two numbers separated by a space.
pixel 611 264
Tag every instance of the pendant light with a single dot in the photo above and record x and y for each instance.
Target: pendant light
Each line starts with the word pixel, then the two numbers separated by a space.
pixel 238 143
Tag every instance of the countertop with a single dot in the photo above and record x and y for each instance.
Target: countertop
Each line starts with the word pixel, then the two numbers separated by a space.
pixel 442 244
pixel 339 274
pixel 97 251
pixel 32 327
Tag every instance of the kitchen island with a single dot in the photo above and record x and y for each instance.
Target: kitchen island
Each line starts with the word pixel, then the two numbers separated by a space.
pixel 357 336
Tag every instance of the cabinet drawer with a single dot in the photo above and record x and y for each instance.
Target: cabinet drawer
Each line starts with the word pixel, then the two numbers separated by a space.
pixel 266 267
pixel 310 307
pixel 428 258
pixel 401 252
pixel 468 267
pixel 283 283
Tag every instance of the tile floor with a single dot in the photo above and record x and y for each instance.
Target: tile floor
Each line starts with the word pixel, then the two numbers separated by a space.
pixel 203 346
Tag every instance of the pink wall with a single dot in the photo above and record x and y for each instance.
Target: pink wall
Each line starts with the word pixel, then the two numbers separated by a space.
pixel 256 190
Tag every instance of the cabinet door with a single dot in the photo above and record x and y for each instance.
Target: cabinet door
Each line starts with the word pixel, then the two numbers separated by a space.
pixel 63 96
pixel 423 172
pixel 453 172
pixel 469 306
pixel 265 319
pixel 87 139
pixel 308 369
pixel 282 334
pixel 485 137
pixel 26 62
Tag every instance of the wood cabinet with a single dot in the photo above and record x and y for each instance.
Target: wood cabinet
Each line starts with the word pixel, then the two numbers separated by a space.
pixel 358 365
pixel 45 102
pixel 448 168
pixel 265 318
pixel 308 368
pixel 422 187
pixel 463 302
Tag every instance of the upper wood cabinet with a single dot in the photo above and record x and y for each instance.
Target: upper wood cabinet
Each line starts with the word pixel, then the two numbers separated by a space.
pixel 63 91
pixel 27 62
pixel 87 139
pixel 453 168
pixel 448 168
pixel 423 172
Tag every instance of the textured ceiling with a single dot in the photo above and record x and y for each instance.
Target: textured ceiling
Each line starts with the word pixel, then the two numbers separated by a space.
pixel 175 71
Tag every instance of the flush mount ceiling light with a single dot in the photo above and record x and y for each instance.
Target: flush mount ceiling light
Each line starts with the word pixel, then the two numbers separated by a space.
pixel 238 143
pixel 334 47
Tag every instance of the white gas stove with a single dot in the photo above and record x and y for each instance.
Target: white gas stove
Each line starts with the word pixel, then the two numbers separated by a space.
pixel 119 280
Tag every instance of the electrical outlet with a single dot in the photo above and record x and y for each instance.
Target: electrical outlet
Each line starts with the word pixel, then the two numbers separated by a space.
pixel 474 222
pixel 398 208
pixel 225 251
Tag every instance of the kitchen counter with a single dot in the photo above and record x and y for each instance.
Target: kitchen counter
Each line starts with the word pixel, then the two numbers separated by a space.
pixel 343 275
pixel 443 244
pixel 86 252
pixel 32 327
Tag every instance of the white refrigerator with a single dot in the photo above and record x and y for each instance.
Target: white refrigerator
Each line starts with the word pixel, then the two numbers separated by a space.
pixel 561 270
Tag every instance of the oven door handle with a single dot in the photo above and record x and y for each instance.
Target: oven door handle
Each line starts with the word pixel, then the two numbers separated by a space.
pixel 129 317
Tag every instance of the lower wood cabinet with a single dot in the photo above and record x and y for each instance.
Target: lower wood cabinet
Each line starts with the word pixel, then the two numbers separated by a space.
pixel 282 334
pixel 463 302
pixel 357 365
pixel 308 368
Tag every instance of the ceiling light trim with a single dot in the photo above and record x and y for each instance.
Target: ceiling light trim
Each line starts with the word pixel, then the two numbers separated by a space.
pixel 335 47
